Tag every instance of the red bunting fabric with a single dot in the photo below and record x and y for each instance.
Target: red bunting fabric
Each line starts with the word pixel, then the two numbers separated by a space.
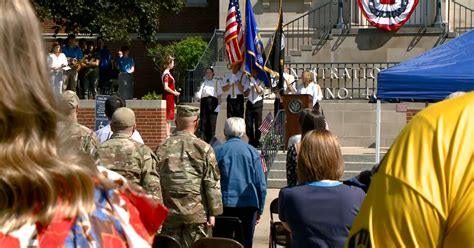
pixel 388 15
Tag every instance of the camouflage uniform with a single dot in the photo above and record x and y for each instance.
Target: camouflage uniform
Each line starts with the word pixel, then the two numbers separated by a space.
pixel 87 138
pixel 191 188
pixel 135 161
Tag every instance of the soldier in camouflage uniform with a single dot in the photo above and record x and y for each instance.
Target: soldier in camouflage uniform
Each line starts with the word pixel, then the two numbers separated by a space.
pixel 87 138
pixel 131 159
pixel 190 180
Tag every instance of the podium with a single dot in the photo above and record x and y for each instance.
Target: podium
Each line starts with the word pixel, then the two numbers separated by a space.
pixel 293 105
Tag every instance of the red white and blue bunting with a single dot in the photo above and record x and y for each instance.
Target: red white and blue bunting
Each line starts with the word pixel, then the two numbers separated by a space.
pixel 388 15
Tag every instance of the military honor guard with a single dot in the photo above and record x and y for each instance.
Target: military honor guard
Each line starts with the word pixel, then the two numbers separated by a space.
pixel 253 90
pixel 234 84
pixel 210 94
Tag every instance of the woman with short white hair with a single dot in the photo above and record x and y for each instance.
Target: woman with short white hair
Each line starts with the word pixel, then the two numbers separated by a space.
pixel 243 183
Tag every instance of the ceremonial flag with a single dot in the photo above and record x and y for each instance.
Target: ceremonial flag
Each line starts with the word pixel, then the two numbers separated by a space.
pixel 276 56
pixel 266 124
pixel 233 37
pixel 255 55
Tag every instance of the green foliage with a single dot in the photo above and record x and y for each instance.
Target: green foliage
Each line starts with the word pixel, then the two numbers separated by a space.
pixel 186 53
pixel 110 19
pixel 152 96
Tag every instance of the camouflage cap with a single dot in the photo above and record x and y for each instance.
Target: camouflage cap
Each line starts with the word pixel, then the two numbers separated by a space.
pixel 123 118
pixel 187 111
pixel 70 98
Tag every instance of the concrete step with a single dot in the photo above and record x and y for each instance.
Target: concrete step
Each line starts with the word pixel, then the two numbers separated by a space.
pixel 278 183
pixel 368 158
pixel 281 165
pixel 355 161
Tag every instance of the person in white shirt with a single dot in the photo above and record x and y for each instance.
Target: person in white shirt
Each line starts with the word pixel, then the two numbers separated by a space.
pixel 210 94
pixel 253 90
pixel 111 104
pixel 57 61
pixel 309 87
pixel 234 82
pixel 289 87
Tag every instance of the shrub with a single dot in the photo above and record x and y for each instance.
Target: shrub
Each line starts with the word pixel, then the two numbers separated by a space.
pixel 152 96
pixel 186 53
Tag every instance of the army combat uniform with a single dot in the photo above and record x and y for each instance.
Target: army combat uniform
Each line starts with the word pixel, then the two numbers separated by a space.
pixel 191 188
pixel 135 161
pixel 86 137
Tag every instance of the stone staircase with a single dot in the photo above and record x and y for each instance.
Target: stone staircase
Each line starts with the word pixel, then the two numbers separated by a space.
pixel 356 160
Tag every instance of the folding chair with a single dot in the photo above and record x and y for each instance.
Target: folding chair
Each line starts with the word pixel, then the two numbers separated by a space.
pixel 165 241
pixel 228 227
pixel 279 235
pixel 216 243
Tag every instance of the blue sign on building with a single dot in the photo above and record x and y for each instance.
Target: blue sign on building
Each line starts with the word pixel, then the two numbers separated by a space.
pixel 101 119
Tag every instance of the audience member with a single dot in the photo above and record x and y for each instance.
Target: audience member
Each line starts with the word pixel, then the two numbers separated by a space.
pixel 126 67
pixel 243 182
pixel 57 61
pixel 169 94
pixel 235 100
pixel 421 194
pixel 74 55
pixel 52 195
pixel 111 104
pixel 309 120
pixel 253 90
pixel 309 87
pixel 86 137
pixel 455 94
pixel 134 161
pixel 210 95
pixel 189 180
pixel 319 212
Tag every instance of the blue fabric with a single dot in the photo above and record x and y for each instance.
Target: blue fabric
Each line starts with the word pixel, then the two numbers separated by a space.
pixel 432 75
pixel 105 59
pixel 125 64
pixel 243 182
pixel 324 184
pixel 319 216
pixel 72 52
pixel 255 55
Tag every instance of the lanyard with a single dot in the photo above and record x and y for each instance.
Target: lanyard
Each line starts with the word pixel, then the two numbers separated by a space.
pixel 324 183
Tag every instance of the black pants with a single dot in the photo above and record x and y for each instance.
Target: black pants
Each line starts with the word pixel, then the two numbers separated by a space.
pixel 276 106
pixel 253 120
pixel 104 85
pixel 208 117
pixel 248 216
pixel 235 106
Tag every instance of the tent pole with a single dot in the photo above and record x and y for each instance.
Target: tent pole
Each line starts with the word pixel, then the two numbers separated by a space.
pixel 377 131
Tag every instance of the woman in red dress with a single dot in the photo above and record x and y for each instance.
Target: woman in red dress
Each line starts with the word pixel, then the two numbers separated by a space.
pixel 169 91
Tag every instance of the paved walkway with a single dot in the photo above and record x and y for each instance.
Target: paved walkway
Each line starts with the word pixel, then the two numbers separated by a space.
pixel 262 230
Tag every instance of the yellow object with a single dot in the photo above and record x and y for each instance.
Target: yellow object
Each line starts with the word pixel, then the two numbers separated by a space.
pixel 422 194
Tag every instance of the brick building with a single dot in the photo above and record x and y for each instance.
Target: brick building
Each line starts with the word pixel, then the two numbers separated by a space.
pixel 198 18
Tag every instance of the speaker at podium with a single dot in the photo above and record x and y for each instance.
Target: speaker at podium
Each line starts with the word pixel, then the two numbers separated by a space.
pixel 293 104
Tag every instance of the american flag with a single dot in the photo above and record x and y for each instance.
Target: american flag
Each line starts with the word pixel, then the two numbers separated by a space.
pixel 266 124
pixel 233 36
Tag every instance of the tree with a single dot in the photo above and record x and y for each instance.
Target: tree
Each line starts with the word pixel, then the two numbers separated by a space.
pixel 187 54
pixel 110 19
